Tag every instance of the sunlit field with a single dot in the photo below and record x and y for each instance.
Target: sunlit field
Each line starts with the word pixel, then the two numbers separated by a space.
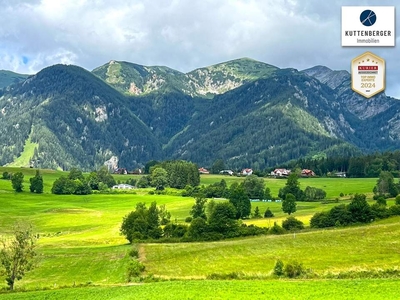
pixel 80 245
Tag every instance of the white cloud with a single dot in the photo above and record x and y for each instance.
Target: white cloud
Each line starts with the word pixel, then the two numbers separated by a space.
pixel 180 34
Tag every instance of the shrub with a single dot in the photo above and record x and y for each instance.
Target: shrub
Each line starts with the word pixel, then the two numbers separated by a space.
pixel 248 230
pixel 175 230
pixel 229 276
pixel 321 220
pixel 133 253
pixel 268 213
pixel 341 195
pixel 188 219
pixel 291 223
pixel 278 269
pixel 395 210
pixel 135 268
pixel 380 211
pixel 381 201
pixel 294 269
pixel 397 200
pixel 276 229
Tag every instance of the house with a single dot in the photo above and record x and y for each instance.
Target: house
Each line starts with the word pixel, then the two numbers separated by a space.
pixel 122 186
pixel 307 173
pixel 247 172
pixel 226 172
pixel 340 174
pixel 120 171
pixel 203 171
pixel 280 173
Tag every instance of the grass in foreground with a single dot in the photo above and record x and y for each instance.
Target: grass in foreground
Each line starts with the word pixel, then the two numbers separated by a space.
pixel 199 289
pixel 375 246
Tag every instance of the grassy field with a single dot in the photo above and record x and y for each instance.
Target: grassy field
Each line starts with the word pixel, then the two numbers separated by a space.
pixel 205 289
pixel 325 251
pixel 332 186
pixel 80 245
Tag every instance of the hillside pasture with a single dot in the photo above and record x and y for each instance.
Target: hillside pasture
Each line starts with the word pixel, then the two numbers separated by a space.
pixel 80 244
pixel 332 186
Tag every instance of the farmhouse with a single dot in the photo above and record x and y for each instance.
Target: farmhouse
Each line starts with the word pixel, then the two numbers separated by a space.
pixel 307 173
pixel 122 186
pixel 203 171
pixel 280 173
pixel 247 172
pixel 228 172
pixel 120 171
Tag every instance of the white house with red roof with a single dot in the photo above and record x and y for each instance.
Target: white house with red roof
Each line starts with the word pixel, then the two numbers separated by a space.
pixel 203 171
pixel 247 172
pixel 280 172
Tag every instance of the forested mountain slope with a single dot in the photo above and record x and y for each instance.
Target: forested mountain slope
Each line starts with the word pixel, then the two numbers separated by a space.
pixel 248 113
pixel 75 119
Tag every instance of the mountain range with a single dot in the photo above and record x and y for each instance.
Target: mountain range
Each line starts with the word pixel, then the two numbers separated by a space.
pixel 246 112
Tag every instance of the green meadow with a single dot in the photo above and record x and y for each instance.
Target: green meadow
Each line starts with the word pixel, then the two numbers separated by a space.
pixel 206 289
pixel 80 245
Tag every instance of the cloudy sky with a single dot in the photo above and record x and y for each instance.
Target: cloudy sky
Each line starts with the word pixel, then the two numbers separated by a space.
pixel 181 34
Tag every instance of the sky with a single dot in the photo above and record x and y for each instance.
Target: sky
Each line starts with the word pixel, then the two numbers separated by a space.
pixel 182 34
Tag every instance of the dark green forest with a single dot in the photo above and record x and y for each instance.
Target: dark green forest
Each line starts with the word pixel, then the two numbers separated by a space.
pixel 247 113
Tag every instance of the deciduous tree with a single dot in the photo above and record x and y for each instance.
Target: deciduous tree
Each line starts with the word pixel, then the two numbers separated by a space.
pixel 292 186
pixel 240 200
pixel 159 178
pixel 199 208
pixel 289 204
pixel 17 181
pixel 36 183
pixel 17 253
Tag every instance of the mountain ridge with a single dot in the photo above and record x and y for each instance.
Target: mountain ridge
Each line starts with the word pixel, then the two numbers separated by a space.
pixel 249 113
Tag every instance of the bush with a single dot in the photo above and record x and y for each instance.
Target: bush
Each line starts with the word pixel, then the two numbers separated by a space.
pixel 188 219
pixel 294 269
pixel 291 223
pixel 381 201
pixel 395 210
pixel 276 229
pixel 133 253
pixel 397 201
pixel 6 176
pixel 278 269
pixel 321 220
pixel 341 195
pixel 229 276
pixel 380 211
pixel 268 213
pixel 135 268
pixel 175 230
pixel 252 230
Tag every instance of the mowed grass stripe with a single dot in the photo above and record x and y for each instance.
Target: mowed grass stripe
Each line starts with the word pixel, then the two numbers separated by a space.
pixel 205 289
